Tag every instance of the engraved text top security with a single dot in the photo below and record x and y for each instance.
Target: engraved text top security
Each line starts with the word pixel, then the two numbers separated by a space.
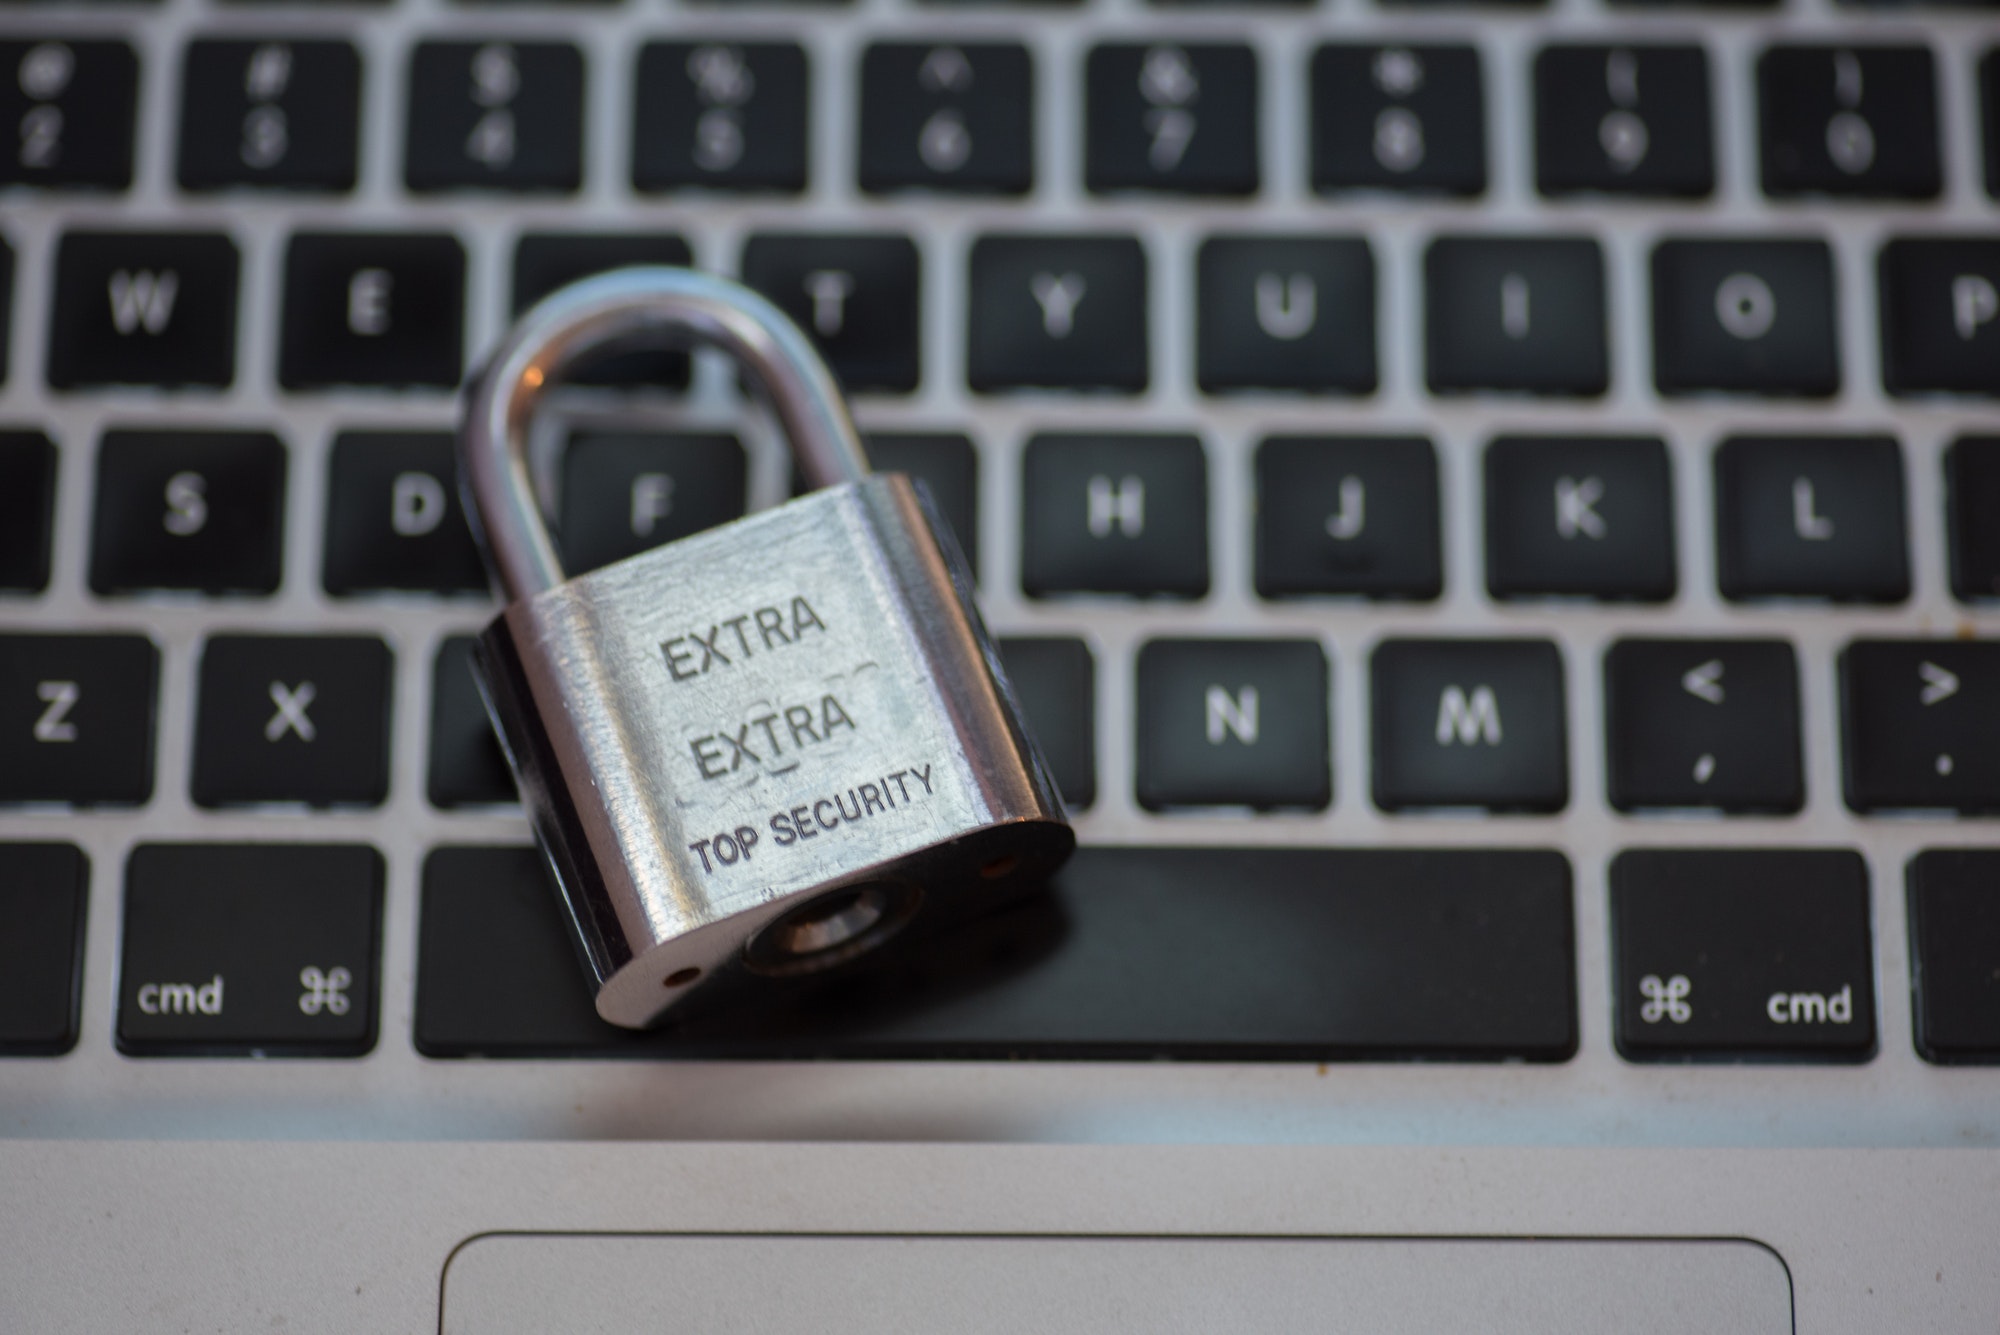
pixel 764 751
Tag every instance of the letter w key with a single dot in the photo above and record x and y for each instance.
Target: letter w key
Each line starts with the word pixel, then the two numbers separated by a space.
pixel 135 308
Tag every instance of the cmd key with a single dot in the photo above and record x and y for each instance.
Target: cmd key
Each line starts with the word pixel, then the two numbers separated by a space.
pixel 1921 725
pixel 250 950
pixel 1322 954
pixel 1742 955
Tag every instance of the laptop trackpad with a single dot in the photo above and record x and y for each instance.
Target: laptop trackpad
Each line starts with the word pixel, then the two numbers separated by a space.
pixel 536 1284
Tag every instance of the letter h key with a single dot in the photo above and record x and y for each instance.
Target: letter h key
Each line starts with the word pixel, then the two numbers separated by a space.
pixel 766 750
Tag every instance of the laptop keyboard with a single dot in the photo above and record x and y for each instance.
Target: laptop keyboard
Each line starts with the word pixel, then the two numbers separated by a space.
pixel 1495 514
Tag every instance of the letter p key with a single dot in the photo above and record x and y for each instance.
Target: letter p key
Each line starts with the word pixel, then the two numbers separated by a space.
pixel 1974 303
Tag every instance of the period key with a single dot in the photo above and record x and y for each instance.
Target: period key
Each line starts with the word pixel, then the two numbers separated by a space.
pixel 250 950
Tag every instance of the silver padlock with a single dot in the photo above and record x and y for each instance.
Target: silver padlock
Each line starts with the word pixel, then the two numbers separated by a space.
pixel 763 751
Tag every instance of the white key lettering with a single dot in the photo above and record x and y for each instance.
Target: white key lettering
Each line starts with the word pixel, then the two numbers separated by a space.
pixel 1231 715
pixel 187 505
pixel 652 501
pixel 1346 523
pixel 368 302
pixel 1974 302
pixel 292 702
pixel 143 300
pixel 1468 720
pixel 1744 306
pixel 829 290
pixel 54 724
pixel 1576 507
pixel 1286 308
pixel 1120 506
pixel 1058 296
pixel 416 504
pixel 1806 520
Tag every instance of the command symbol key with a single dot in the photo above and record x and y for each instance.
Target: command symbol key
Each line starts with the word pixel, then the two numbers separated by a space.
pixel 250 949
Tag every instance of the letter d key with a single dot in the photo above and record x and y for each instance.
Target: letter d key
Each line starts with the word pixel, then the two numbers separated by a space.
pixel 688 877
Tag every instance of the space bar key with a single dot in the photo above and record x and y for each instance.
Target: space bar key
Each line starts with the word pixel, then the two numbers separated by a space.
pixel 1137 953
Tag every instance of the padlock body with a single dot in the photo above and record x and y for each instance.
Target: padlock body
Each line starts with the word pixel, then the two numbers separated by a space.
pixel 763 752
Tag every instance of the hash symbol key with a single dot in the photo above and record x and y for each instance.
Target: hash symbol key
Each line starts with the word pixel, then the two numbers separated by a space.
pixel 1922 724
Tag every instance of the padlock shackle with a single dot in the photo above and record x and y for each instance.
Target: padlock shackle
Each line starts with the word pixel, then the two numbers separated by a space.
pixel 637 307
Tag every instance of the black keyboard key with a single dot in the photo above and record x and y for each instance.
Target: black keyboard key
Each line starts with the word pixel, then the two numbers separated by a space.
pixel 6 303
pixel 1323 954
pixel 545 261
pixel 1940 304
pixel 1811 517
pixel 1703 724
pixel 393 517
pixel 293 718
pixel 1972 510
pixel 250 949
pixel 957 118
pixel 69 106
pixel 1233 723
pixel 1398 118
pixel 1177 118
pixel 42 893
pixel 277 113
pixel 372 309
pixel 1955 953
pixel 76 718
pixel 1055 679
pixel 1469 723
pixel 1989 101
pixel 1057 312
pixel 857 297
pixel 143 308
pixel 1114 514
pixel 1742 955
pixel 494 115
pixel 1921 725
pixel 467 766
pixel 27 508
pixel 196 510
pixel 1348 515
pixel 1285 312
pixel 627 492
pixel 1628 120
pixel 1848 121
pixel 725 116
pixel 1514 314
pixel 947 466
pixel 1579 516
pixel 1745 316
